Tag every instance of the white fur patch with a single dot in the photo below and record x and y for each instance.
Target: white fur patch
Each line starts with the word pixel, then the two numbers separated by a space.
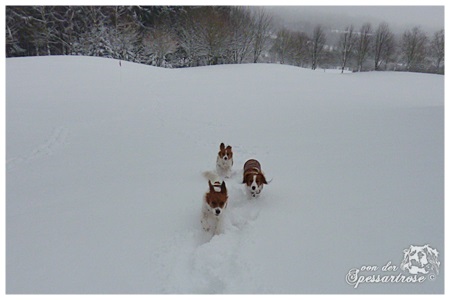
pixel 210 221
pixel 223 166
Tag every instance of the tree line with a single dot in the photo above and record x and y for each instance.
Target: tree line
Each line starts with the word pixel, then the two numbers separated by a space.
pixel 367 48
pixel 187 36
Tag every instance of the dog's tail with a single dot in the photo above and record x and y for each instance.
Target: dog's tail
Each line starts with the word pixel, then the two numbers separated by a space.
pixel 211 176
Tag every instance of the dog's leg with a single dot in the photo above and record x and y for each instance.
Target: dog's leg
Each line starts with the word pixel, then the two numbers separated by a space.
pixel 205 225
pixel 209 223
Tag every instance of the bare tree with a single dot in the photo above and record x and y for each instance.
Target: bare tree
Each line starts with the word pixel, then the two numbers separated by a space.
pixel 189 34
pixel 317 44
pixel 383 45
pixel 65 22
pixel 14 25
pixel 241 33
pixel 204 34
pixel 437 48
pixel 299 46
pixel 44 31
pixel 413 47
pixel 215 33
pixel 346 45
pixel 262 26
pixel 363 42
pixel 282 45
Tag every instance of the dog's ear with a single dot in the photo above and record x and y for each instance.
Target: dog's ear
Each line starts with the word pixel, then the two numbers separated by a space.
pixel 222 146
pixel 229 148
pixel 211 187
pixel 223 188
pixel 263 179
pixel 244 180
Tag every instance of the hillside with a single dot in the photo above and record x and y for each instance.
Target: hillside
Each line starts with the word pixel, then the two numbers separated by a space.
pixel 104 185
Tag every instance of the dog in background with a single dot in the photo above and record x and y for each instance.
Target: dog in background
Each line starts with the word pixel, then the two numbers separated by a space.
pixel 224 161
pixel 253 178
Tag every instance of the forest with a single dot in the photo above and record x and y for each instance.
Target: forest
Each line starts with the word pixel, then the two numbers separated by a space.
pixel 189 36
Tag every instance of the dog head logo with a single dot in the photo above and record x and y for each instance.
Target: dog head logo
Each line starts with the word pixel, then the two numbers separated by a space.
pixel 420 260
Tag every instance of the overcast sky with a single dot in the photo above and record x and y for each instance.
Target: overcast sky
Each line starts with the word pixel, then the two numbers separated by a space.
pixel 399 18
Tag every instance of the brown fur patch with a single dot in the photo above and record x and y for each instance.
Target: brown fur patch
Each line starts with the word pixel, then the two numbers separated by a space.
pixel 217 199
pixel 225 151
pixel 251 168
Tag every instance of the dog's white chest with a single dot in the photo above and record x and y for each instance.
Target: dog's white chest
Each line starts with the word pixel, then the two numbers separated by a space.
pixel 224 166
pixel 210 222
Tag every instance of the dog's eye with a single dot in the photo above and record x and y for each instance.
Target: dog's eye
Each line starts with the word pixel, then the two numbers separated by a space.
pixel 213 203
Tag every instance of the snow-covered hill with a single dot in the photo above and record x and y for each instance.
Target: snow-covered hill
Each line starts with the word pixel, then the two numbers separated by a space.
pixel 104 184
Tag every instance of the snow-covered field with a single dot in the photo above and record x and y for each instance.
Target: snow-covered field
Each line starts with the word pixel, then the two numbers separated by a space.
pixel 104 184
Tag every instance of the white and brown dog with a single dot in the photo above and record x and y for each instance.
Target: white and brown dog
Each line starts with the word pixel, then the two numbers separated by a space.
pixel 224 161
pixel 253 178
pixel 214 203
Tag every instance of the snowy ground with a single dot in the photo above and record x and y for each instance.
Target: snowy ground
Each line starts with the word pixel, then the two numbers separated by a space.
pixel 104 185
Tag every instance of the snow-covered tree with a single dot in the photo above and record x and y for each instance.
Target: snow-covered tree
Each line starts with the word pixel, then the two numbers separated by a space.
pixel 158 44
pixel 182 36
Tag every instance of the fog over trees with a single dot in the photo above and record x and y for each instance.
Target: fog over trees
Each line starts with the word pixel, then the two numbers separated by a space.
pixel 189 36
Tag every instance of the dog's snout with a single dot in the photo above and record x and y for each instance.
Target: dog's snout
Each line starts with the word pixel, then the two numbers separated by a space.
pixel 226 158
pixel 217 212
pixel 253 187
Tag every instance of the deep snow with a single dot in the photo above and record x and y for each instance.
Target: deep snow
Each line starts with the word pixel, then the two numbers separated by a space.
pixel 104 184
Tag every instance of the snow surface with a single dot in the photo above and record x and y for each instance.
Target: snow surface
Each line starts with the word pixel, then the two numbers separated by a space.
pixel 104 184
